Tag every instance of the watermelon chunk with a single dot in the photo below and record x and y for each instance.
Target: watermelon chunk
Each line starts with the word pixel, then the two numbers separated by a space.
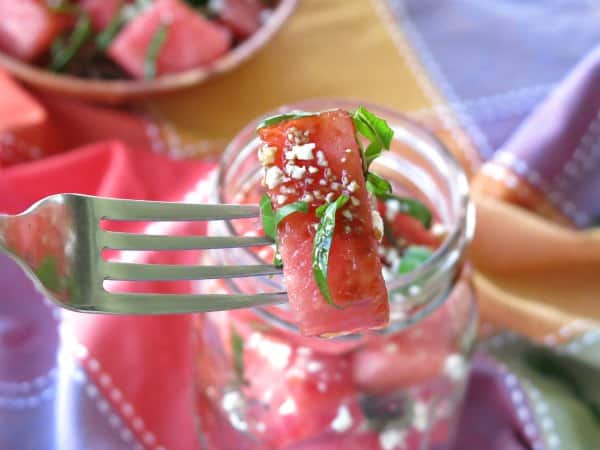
pixel 241 16
pixel 297 394
pixel 101 12
pixel 191 42
pixel 354 274
pixel 28 27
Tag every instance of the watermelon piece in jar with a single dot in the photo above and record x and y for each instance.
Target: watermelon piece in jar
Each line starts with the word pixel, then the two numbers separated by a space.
pixel 191 41
pixel 243 17
pixel 28 27
pixel 316 159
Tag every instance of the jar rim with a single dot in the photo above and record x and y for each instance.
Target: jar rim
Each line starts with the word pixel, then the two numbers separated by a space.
pixel 452 251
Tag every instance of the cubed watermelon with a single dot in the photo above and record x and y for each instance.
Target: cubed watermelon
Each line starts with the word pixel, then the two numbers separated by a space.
pixel 241 16
pixel 101 12
pixel 327 164
pixel 28 27
pixel 297 394
pixel 191 40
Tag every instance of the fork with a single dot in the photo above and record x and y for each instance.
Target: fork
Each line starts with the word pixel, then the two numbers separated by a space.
pixel 59 243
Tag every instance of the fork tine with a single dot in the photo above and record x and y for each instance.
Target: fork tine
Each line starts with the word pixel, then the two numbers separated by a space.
pixel 162 272
pixel 130 303
pixel 130 241
pixel 117 209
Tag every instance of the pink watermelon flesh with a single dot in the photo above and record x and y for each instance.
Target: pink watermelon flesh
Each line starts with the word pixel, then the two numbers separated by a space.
pixel 354 277
pixel 241 16
pixel 192 41
pixel 28 27
pixel 101 12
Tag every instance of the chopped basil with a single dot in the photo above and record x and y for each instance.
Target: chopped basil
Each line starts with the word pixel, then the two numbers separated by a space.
pixel 237 355
pixel 378 185
pixel 411 207
pixel 153 52
pixel 274 120
pixel 322 245
pixel 413 257
pixel 63 51
pixel 376 130
pixel 268 217
pixel 108 34
pixel 271 219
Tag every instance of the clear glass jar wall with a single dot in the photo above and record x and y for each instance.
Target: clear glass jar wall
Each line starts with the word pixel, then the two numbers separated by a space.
pixel 260 385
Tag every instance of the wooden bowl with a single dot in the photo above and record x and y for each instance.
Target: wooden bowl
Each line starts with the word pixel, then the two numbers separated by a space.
pixel 122 91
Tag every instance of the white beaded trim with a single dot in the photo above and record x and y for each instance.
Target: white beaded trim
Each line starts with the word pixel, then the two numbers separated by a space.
pixel 28 402
pixel 126 409
pixel 519 166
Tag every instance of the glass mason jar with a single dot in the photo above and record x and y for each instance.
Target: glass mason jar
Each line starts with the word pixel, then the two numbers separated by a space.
pixel 261 385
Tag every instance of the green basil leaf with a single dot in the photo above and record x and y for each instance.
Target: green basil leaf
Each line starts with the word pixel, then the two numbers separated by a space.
pixel 413 257
pixel 277 262
pixel 274 120
pixel 373 128
pixel 372 152
pixel 322 245
pixel 291 208
pixel 237 355
pixel 62 52
pixel 108 34
pixel 377 185
pixel 411 207
pixel 153 52
pixel 268 217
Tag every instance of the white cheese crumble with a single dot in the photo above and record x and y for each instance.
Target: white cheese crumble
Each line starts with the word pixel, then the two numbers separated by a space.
pixel 347 214
pixel 281 199
pixel 307 198
pixel 313 366
pixel 343 420
pixel 290 155
pixel 344 160
pixel 273 177
pixel 455 367
pixel 392 208
pixel 335 186
pixel 353 186
pixel 329 197
pixel 277 354
pixel 355 201
pixel 377 224
pixel 322 182
pixel 420 416
pixel 304 152
pixel 312 169
pixel 266 154
pixel 348 150
pixel 298 172
pixel 309 181
pixel 392 439
pixel 321 161
pixel 288 407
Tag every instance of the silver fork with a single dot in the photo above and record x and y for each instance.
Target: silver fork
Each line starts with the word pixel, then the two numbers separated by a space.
pixel 59 243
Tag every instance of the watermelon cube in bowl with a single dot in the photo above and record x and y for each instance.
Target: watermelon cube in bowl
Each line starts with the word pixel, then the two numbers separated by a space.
pixel 243 17
pixel 102 12
pixel 28 27
pixel 190 40
pixel 316 160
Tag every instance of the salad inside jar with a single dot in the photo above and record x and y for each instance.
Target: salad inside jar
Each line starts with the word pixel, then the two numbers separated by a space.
pixel 343 374
pixel 126 39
